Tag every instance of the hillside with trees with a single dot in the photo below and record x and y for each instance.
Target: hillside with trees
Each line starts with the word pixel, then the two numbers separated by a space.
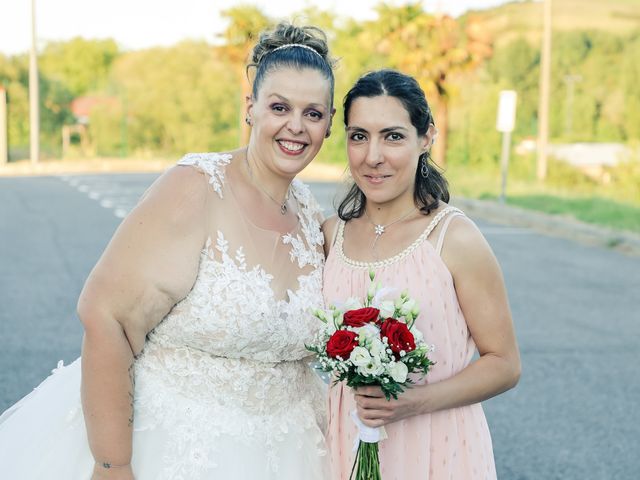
pixel 189 97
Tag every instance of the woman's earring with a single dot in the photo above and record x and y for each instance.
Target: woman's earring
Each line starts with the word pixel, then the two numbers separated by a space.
pixel 247 120
pixel 424 169
pixel 328 134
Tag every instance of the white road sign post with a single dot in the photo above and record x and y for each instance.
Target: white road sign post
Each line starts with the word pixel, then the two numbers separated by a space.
pixel 3 127
pixel 505 123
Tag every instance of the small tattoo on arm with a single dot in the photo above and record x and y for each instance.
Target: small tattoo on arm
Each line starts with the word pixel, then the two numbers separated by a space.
pixel 111 465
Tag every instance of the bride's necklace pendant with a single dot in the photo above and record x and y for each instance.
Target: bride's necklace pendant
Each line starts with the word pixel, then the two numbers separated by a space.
pixel 379 229
pixel 283 205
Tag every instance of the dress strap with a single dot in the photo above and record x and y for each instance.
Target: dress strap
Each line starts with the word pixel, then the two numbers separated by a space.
pixel 454 212
pixel 334 237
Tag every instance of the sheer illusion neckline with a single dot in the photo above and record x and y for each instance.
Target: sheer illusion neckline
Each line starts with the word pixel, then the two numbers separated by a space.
pixel 295 228
pixel 339 247
pixel 208 254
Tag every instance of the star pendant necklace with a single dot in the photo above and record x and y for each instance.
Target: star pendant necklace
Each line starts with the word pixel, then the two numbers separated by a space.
pixel 283 205
pixel 379 229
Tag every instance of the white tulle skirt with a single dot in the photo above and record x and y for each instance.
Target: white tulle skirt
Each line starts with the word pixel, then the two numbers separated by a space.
pixel 43 437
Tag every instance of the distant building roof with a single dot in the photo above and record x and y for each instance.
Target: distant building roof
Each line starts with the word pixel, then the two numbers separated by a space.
pixel 81 107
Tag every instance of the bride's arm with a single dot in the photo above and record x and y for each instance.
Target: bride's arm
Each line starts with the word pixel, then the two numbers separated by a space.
pixel 149 265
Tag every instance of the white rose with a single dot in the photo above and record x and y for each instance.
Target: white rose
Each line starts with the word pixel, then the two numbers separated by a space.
pixel 398 371
pixel 360 356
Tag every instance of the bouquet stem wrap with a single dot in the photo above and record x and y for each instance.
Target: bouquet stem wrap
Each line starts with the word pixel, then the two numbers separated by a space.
pixel 366 465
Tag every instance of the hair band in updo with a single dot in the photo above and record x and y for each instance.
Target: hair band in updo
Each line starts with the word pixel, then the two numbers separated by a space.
pixel 291 45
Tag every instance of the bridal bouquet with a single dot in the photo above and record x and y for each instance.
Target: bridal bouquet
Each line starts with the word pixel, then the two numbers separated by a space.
pixel 371 342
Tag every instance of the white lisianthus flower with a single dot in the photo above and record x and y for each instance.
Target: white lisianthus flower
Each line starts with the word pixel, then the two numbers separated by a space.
pixel 381 294
pixel 360 356
pixel 352 303
pixel 369 331
pixel 398 303
pixel 387 309
pixel 373 288
pixel 321 315
pixel 372 368
pixel 408 306
pixel 398 371
pixel 331 328
pixel 417 335
pixel 367 334
pixel 377 348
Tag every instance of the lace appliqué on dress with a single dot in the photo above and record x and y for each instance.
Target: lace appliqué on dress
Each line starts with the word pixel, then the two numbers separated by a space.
pixel 212 164
pixel 230 360
pixel 306 255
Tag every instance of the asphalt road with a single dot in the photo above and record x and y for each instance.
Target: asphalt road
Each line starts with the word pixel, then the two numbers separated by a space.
pixel 574 414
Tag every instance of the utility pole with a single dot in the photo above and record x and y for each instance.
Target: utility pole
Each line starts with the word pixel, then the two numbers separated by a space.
pixel 34 100
pixel 4 149
pixel 506 123
pixel 545 81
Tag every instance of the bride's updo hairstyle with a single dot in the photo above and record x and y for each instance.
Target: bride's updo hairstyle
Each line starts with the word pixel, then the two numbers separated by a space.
pixel 288 46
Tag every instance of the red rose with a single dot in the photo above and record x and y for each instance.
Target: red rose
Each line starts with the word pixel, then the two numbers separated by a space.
pixel 398 335
pixel 361 316
pixel 341 344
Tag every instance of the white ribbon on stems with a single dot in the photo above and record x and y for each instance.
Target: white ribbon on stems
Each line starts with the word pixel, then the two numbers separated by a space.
pixel 366 434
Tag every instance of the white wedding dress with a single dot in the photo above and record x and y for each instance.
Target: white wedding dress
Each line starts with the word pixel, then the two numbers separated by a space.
pixel 223 387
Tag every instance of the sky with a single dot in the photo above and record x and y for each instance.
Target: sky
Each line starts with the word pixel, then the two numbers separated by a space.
pixel 136 24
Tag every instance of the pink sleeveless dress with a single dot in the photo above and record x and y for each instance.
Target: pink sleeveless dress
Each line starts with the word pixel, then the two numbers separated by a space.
pixel 450 444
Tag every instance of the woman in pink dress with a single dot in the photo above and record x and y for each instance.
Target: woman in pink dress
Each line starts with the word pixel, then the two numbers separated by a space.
pixel 395 221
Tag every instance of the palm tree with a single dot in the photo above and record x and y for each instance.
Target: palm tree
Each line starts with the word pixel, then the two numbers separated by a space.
pixel 433 49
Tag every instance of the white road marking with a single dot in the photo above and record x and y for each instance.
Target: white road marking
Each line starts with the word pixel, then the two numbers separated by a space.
pixel 120 199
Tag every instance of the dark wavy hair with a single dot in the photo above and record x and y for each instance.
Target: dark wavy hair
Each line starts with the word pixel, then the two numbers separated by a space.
pixel 429 191
pixel 265 57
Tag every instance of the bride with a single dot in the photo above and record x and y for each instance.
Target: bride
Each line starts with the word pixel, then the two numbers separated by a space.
pixel 193 360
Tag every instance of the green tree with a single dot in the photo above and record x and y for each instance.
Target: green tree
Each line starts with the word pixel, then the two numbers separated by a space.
pixel 245 24
pixel 175 100
pixel 434 50
pixel 80 65
pixel 54 107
